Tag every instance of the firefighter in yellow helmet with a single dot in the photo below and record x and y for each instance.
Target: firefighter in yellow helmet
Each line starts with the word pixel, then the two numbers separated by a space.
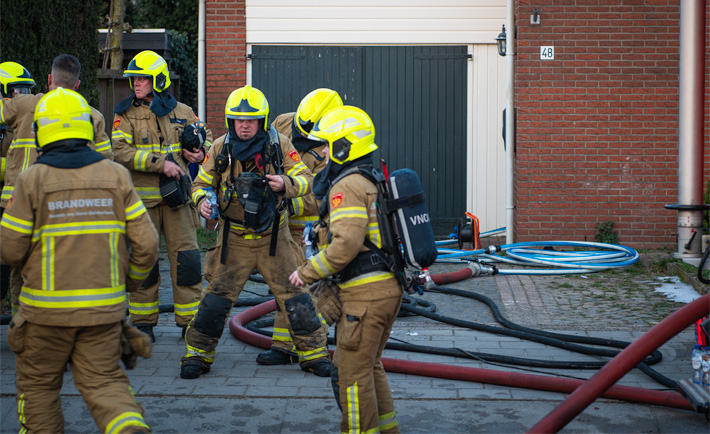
pixel 15 79
pixel 73 300
pixel 296 126
pixel 368 293
pixel 252 169
pixel 16 114
pixel 156 137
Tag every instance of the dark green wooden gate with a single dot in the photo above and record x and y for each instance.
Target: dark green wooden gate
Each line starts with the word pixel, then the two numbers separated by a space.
pixel 416 96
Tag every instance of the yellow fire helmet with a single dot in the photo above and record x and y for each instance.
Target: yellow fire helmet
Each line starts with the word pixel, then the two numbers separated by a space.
pixel 149 64
pixel 349 132
pixel 14 76
pixel 313 106
pixel 247 103
pixel 62 114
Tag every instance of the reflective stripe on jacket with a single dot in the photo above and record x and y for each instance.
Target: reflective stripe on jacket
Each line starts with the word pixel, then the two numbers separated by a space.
pixel 69 230
pixel 352 216
pixel 297 180
pixel 142 140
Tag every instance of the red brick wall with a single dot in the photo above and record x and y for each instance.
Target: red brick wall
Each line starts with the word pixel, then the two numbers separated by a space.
pixel 225 57
pixel 597 127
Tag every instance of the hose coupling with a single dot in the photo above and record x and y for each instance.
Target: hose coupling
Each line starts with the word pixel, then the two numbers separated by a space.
pixel 482 269
pixel 493 249
pixel 424 278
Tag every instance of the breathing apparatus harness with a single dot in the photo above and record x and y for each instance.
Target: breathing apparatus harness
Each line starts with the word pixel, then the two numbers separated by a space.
pixel 262 207
pixel 389 257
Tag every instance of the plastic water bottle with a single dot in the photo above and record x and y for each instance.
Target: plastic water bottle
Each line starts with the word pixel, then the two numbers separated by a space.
pixel 307 241
pixel 697 358
pixel 212 200
pixel 705 366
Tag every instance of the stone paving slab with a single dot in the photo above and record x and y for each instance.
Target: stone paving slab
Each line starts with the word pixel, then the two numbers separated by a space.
pixel 238 395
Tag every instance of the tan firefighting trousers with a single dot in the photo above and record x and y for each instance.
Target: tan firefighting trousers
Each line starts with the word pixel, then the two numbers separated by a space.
pixel 16 281
pixel 178 226
pixel 42 356
pixel 281 338
pixel 363 391
pixel 227 281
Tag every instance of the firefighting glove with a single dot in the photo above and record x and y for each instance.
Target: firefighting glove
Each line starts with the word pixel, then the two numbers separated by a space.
pixel 194 136
pixel 134 343
pixel 329 304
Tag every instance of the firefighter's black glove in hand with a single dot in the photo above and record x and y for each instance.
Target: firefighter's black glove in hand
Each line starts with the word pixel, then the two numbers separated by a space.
pixel 329 304
pixel 194 136
pixel 134 343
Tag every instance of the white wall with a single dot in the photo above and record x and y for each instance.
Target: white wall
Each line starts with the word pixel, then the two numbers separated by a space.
pixel 486 175
pixel 363 22
pixel 474 23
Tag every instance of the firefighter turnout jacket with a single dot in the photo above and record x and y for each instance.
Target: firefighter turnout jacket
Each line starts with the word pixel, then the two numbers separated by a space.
pixel 297 182
pixel 370 296
pixel 144 136
pixel 17 114
pixel 87 213
pixel 142 141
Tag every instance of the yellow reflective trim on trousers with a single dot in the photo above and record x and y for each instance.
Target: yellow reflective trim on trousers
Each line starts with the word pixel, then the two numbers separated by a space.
pixel 185 309
pixel 118 135
pixel 103 146
pixel 348 212
pixel 16 224
pixel 2 168
pixel 21 412
pixel 207 356
pixel 79 228
pixel 148 193
pixel 376 276
pixel 353 409
pixel 73 298
pixel 138 273
pixel 135 210
pixel 143 308
pixel 321 265
pixel 139 160
pixel 312 354
pixel 123 420
pixel 388 421
pixel 281 335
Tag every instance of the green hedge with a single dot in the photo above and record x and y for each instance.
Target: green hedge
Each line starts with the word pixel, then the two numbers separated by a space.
pixel 34 32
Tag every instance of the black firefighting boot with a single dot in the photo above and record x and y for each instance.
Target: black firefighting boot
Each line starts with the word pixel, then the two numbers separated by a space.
pixel 147 329
pixel 276 356
pixel 320 367
pixel 191 369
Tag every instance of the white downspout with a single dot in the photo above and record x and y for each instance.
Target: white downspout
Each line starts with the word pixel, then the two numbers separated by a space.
pixel 509 124
pixel 201 81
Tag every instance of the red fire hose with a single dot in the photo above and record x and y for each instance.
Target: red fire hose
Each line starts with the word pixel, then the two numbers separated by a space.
pixel 510 379
pixel 621 364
